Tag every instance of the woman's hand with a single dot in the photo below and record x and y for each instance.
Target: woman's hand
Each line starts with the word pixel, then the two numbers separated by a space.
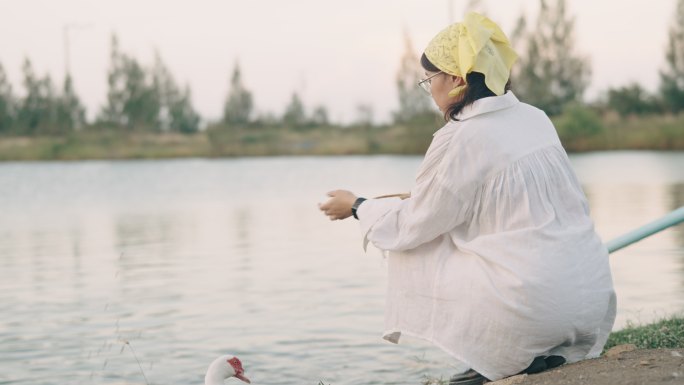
pixel 339 205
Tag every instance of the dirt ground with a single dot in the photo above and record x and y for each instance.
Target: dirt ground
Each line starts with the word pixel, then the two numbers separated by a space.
pixel 622 365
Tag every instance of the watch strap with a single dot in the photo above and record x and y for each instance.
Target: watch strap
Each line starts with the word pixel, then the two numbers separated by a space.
pixel 356 205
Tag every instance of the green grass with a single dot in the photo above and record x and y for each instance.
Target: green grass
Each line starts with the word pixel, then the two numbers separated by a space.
pixel 666 333
pixel 103 145
pixel 579 130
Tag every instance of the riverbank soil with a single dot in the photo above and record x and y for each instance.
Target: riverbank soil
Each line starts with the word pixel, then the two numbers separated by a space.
pixel 623 365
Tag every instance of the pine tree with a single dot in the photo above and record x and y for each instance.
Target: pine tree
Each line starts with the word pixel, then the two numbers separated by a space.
pixel 70 111
pixel 176 112
pixel 549 74
pixel 364 115
pixel 132 98
pixel 142 105
pixel 112 113
pixel 319 116
pixel 37 111
pixel 294 115
pixel 184 118
pixel 672 78
pixel 239 105
pixel 632 99
pixel 7 104
pixel 413 102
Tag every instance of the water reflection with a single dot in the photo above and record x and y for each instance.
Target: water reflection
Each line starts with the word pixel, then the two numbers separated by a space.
pixel 677 201
pixel 242 224
pixel 623 195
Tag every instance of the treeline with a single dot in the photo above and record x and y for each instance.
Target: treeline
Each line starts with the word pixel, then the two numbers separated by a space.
pixel 139 99
pixel 42 110
pixel 550 74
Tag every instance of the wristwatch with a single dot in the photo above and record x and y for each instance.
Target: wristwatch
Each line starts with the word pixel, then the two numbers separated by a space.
pixel 356 205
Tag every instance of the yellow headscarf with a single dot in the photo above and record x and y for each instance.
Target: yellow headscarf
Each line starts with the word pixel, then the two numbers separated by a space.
pixel 476 44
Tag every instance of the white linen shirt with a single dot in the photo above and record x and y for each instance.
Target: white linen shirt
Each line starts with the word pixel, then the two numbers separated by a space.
pixel 494 257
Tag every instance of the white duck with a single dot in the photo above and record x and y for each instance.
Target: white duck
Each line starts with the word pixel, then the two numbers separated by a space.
pixel 224 367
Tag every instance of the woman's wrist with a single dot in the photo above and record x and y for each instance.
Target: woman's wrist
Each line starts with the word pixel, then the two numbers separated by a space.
pixel 356 205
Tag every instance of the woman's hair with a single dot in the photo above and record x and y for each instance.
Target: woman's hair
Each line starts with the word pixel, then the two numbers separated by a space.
pixel 475 89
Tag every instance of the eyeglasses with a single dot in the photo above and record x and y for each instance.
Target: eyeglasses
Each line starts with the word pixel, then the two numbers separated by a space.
pixel 425 83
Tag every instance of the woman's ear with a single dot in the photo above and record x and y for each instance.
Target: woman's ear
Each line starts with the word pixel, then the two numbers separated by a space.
pixel 455 81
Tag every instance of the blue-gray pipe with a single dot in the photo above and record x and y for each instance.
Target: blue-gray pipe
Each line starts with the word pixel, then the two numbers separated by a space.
pixel 669 220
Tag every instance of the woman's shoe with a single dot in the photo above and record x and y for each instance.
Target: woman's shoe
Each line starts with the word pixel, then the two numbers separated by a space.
pixel 470 377
pixel 554 361
pixel 541 364
pixel 538 365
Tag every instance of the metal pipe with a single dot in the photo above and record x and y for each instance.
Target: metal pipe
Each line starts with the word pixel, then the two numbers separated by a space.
pixel 674 218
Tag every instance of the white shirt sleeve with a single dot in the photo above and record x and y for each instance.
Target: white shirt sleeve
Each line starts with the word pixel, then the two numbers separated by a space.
pixel 439 200
pixel 371 211
pixel 396 225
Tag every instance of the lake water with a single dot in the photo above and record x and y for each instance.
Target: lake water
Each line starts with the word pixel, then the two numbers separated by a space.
pixel 190 259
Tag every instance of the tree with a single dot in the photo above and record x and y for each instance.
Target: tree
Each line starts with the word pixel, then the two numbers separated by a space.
pixel 184 118
pixel 672 78
pixel 7 103
pixel 549 74
pixel 112 112
pixel 364 115
pixel 41 111
pixel 37 110
pixel 319 116
pixel 577 123
pixel 413 102
pixel 294 115
pixel 239 105
pixel 631 99
pixel 142 105
pixel 176 112
pixel 70 111
pixel 132 98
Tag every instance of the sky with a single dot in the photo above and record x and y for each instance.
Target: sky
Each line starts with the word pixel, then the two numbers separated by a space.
pixel 336 54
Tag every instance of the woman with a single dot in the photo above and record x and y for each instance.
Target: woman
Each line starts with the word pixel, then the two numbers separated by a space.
pixel 493 257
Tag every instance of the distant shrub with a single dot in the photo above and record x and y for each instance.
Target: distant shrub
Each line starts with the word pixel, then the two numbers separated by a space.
pixel 577 125
pixel 632 100
pixel 578 122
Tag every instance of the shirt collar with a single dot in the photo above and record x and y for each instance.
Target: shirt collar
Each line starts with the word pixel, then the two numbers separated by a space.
pixel 488 104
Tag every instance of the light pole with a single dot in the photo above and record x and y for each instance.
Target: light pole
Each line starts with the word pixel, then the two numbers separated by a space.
pixel 66 28
pixel 68 80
